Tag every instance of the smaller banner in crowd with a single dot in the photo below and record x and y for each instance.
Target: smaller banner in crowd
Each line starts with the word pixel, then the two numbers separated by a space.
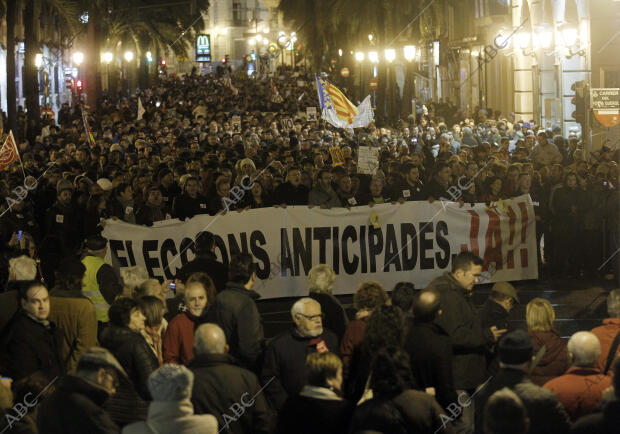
pixel 414 242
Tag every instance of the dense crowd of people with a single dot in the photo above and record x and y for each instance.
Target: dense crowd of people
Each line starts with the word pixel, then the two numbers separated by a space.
pixel 105 351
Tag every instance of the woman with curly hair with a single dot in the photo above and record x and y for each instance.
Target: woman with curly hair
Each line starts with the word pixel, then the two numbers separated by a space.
pixel 395 407
pixel 384 328
pixel 368 297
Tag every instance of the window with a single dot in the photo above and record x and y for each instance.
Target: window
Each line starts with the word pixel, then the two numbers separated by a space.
pixel 238 14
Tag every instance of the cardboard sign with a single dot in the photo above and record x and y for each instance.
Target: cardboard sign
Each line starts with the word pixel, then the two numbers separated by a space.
pixel 287 124
pixel 367 160
pixel 236 124
pixel 311 114
pixel 337 157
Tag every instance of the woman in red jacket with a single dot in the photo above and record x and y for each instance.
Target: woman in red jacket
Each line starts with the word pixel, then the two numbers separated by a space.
pixel 539 315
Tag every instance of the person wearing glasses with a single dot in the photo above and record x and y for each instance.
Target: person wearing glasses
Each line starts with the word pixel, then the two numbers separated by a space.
pixel 284 368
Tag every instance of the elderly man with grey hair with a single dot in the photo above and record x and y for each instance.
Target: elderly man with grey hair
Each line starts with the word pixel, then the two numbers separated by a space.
pixel 221 388
pixel 171 410
pixel 609 330
pixel 284 367
pixel 580 389
pixel 321 279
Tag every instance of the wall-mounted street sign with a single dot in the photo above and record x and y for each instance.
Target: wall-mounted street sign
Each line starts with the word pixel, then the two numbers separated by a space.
pixel 203 48
pixel 606 106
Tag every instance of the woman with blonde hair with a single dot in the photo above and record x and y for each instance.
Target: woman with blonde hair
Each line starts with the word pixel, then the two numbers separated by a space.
pixel 539 315
pixel 321 279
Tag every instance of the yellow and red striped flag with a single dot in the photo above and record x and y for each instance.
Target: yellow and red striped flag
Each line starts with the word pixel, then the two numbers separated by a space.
pixel 331 98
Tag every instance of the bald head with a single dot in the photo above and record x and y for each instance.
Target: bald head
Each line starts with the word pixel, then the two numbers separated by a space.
pixel 584 348
pixel 210 339
pixel 426 306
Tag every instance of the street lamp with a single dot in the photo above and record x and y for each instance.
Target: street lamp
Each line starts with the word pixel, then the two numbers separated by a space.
pixel 340 52
pixel 523 39
pixel 107 57
pixel 409 52
pixel 373 57
pixel 78 58
pixel 128 56
pixel 259 37
pixel 570 35
pixel 38 60
pixel 252 41
pixel 359 56
pixel 390 55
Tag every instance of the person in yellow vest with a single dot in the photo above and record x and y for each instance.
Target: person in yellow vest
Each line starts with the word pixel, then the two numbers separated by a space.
pixel 101 284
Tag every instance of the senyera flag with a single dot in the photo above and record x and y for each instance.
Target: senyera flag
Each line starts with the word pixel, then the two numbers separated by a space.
pixel 89 134
pixel 8 153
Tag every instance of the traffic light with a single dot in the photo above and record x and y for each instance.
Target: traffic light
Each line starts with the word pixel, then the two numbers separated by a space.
pixel 78 85
pixel 226 59
pixel 579 100
pixel 163 62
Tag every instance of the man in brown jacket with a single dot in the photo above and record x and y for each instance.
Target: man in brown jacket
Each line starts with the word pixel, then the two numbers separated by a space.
pixel 73 312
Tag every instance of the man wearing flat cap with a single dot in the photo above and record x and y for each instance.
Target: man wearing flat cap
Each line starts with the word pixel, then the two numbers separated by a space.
pixel 495 312
pixel 76 406
pixel 546 413
pixel 101 284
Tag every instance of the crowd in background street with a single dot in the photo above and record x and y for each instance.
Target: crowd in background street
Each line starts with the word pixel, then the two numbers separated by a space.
pixel 189 355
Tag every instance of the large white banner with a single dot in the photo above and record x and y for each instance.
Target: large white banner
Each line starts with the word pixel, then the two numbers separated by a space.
pixel 414 242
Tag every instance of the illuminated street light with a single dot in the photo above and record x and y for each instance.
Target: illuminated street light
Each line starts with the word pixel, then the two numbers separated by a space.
pixel 409 52
pixel 359 56
pixel 252 41
pixel 340 52
pixel 370 37
pixel 107 57
pixel 38 60
pixel 523 39
pixel 570 35
pixel 149 56
pixel 266 30
pixel 390 55
pixel 544 39
pixel 259 38
pixel 265 41
pixel 78 58
pixel 128 56
pixel 373 57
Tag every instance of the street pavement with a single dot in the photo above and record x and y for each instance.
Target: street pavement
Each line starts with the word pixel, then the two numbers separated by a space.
pixel 579 304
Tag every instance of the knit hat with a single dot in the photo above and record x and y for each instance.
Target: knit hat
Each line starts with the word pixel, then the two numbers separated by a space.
pixel 63 185
pixel 171 383
pixel 116 147
pixel 515 348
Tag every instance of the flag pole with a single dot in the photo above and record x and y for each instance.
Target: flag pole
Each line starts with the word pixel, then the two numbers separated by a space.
pixel 17 150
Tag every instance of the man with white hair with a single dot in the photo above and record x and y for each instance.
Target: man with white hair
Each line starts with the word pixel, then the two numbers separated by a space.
pixel 284 367
pixel 223 389
pixel 581 387
pixel 609 330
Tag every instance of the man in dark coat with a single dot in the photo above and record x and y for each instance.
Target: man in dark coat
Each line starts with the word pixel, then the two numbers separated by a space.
pixel 460 320
pixel 284 368
pixel 75 407
pixel 430 350
pixel 437 187
pixel 292 192
pixel 63 219
pixel 495 313
pixel 221 388
pixel 33 342
pixel 236 313
pixel 206 262
pixel 546 413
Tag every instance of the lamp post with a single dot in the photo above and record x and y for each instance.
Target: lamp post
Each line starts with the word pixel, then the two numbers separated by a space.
pixel 409 52
pixel 107 58
pixel 359 56
pixel 128 58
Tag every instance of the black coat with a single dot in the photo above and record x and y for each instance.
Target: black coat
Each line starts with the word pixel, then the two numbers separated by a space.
pixel 335 316
pixel 187 207
pixel 286 193
pixel 430 354
pixel 134 355
pixel 220 384
pixel 66 223
pixel 206 263
pixel 236 313
pixel 30 347
pixel 411 411
pixel 546 413
pixel 604 422
pixel 461 321
pixel 437 191
pixel 305 415
pixel 75 408
pixel 492 314
pixel 284 366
